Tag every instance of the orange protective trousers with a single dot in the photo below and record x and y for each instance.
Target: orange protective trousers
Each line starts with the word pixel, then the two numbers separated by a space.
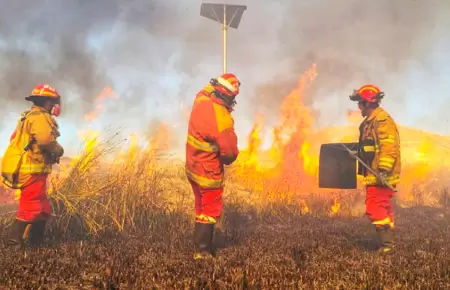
pixel 33 203
pixel 378 204
pixel 208 203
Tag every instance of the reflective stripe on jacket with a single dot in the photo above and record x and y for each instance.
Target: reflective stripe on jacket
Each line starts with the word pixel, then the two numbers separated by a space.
pixel 379 139
pixel 32 149
pixel 211 140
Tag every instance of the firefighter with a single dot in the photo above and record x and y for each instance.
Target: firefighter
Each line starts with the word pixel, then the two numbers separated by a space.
pixel 28 161
pixel 211 144
pixel 379 147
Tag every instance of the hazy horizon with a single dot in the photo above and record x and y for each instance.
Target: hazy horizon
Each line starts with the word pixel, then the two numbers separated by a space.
pixel 156 55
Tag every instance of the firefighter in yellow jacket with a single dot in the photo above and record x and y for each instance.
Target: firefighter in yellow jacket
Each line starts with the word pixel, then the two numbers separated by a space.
pixel 379 147
pixel 28 161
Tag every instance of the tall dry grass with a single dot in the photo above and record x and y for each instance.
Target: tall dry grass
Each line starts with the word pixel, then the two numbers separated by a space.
pixel 109 190
pixel 122 194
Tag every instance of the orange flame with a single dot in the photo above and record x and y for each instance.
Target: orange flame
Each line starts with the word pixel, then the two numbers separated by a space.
pixel 107 93
pixel 291 159
pixel 290 166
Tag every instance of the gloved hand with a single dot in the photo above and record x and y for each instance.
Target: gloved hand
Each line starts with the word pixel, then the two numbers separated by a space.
pixel 226 160
pixel 383 177
pixel 58 151
pixel 52 152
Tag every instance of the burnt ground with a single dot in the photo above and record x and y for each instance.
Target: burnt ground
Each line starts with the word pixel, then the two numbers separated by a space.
pixel 261 251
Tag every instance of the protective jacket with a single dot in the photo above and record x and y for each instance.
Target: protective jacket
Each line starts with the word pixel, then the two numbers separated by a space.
pixel 379 147
pixel 33 148
pixel 211 140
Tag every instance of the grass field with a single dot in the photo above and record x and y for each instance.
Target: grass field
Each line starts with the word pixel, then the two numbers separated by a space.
pixel 129 225
pixel 265 250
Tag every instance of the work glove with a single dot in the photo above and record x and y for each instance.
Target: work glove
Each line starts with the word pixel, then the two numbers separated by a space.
pixel 58 151
pixel 52 152
pixel 226 160
pixel 383 177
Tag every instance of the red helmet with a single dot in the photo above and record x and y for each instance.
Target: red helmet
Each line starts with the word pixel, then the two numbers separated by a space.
pixel 368 93
pixel 44 90
pixel 227 84
pixel 47 91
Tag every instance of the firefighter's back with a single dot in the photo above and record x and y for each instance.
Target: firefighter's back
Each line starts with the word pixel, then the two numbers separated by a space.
pixel 202 163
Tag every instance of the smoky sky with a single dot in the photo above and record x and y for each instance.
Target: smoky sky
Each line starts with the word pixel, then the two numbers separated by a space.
pixel 350 41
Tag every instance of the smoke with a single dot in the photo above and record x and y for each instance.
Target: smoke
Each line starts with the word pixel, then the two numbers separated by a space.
pixel 82 46
pixel 353 42
pixel 48 42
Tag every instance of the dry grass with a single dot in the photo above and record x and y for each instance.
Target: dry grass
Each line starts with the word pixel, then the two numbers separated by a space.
pixel 101 195
pixel 129 225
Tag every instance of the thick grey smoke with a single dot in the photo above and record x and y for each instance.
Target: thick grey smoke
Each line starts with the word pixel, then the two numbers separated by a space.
pixel 351 41
pixel 47 42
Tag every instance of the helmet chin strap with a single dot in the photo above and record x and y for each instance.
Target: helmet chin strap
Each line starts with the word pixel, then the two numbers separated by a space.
pixel 227 100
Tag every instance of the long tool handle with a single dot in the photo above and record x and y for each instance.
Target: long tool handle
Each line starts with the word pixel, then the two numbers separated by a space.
pixel 377 175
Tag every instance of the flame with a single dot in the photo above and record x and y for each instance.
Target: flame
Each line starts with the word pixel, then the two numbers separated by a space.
pixel 303 206
pixel 107 93
pixel 130 152
pixel 296 121
pixel 291 160
pixel 88 136
pixel 254 142
pixel 161 139
pixel 418 169
pixel 310 161
pixel 288 168
pixel 336 206
pixel 91 139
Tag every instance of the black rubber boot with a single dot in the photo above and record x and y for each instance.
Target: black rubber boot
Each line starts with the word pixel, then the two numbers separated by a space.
pixel 15 239
pixel 203 237
pixel 386 237
pixel 37 232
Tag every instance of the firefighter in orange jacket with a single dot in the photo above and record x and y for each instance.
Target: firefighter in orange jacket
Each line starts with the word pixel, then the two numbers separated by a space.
pixel 379 147
pixel 211 144
pixel 28 161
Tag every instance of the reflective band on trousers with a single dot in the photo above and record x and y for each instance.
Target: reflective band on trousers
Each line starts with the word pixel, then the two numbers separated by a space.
pixel 204 181
pixel 383 222
pixel 201 145
pixel 205 219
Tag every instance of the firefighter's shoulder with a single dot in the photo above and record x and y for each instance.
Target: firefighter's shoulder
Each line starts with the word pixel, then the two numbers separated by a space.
pixel 42 118
pixel 383 116
pixel 33 116
pixel 223 118
pixel 38 115
pixel 202 111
